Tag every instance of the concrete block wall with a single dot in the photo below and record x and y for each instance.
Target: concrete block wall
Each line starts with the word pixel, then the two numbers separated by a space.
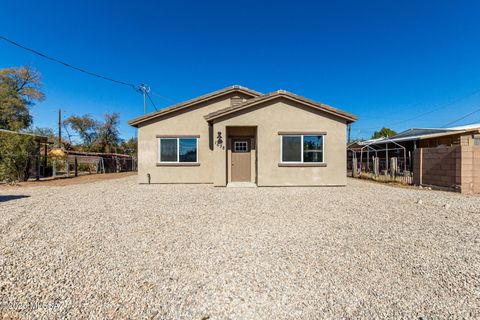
pixel 454 168
pixel 470 169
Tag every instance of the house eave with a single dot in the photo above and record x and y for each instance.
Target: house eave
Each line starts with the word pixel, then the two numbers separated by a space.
pixel 184 105
pixel 211 117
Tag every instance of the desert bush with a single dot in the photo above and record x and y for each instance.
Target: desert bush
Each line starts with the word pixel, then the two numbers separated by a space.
pixel 17 155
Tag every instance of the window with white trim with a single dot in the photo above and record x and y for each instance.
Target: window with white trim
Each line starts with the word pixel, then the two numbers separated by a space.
pixel 173 150
pixel 302 149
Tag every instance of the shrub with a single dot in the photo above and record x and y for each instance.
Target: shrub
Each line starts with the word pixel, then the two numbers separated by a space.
pixel 17 155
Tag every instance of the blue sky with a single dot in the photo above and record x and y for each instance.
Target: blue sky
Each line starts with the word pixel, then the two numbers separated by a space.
pixel 386 61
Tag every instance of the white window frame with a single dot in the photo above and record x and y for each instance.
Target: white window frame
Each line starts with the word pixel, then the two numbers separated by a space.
pixel 241 141
pixel 301 146
pixel 159 144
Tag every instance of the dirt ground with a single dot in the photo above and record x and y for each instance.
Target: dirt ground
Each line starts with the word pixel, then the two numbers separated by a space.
pixel 61 182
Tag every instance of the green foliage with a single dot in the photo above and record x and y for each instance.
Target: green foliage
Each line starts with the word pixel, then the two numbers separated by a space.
pixel 383 133
pixel 46 132
pixel 19 90
pixel 85 126
pixel 17 153
pixel 130 146
pixel 108 136
pixel 98 136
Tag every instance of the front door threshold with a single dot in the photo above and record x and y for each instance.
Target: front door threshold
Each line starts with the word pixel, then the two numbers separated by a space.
pixel 239 184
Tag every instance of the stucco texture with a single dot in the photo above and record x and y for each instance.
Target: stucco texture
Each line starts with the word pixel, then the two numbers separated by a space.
pixel 269 119
pixel 184 122
pixel 284 115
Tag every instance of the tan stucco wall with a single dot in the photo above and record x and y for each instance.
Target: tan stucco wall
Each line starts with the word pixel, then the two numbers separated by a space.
pixel 179 123
pixel 270 118
pixel 284 115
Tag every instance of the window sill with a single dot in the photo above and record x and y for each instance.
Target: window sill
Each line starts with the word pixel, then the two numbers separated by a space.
pixel 302 133
pixel 305 164
pixel 178 164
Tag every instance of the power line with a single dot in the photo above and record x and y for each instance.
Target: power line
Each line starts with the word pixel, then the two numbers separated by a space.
pixel 153 103
pixel 461 118
pixel 136 88
pixel 439 108
pixel 67 64
pixel 432 111
pixel 162 97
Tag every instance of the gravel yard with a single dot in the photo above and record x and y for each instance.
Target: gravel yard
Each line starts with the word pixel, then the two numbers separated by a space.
pixel 116 249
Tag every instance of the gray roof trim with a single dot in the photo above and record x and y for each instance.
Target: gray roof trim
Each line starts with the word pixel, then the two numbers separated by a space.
pixel 420 132
pixel 35 136
pixel 282 94
pixel 186 104
pixel 433 133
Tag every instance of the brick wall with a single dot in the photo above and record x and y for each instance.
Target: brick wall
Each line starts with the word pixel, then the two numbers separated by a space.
pixel 454 168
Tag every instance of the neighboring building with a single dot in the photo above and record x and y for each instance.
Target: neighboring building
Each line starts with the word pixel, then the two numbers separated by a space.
pixel 240 135
pixel 403 144
pixel 447 158
pixel 467 135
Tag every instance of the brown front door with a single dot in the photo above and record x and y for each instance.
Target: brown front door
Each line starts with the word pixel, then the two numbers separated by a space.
pixel 241 160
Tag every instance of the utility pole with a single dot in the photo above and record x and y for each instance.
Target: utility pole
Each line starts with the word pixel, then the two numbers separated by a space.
pixel 349 130
pixel 59 128
pixel 144 90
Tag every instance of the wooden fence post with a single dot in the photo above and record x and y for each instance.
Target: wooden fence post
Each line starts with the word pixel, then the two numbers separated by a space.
pixel 393 166
pixel 376 166
pixel 420 173
pixel 76 167
pixel 37 161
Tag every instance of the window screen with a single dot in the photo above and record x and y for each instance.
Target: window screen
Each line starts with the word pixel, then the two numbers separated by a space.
pixel 291 148
pixel 168 150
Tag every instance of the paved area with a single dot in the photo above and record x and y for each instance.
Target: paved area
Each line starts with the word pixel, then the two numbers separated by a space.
pixel 116 249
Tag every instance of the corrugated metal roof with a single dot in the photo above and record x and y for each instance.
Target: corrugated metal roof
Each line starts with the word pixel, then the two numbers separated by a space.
pixel 419 132
pixel 423 133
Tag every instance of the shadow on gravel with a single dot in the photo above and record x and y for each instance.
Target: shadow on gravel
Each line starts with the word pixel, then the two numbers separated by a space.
pixel 11 197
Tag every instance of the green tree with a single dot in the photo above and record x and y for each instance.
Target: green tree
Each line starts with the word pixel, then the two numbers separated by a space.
pixel 383 133
pixel 46 132
pixel 108 136
pixel 130 146
pixel 86 127
pixel 17 152
pixel 19 90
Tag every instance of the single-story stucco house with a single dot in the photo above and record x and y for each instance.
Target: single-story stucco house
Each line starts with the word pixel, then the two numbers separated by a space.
pixel 240 135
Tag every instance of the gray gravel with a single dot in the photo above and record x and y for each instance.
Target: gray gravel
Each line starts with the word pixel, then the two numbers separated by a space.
pixel 116 249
